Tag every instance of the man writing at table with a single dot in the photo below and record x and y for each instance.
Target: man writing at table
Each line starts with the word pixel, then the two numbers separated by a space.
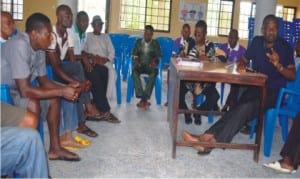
pixel 272 56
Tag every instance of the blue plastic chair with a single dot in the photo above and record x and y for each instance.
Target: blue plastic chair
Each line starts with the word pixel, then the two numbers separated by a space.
pixel 157 86
pixel 166 45
pixel 287 106
pixel 128 47
pixel 199 101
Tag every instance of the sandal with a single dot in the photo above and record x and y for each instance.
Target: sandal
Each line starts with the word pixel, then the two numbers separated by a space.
pixel 98 117
pixel 82 140
pixel 112 119
pixel 87 131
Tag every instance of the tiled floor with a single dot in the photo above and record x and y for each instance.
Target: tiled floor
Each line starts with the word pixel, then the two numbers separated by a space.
pixel 141 147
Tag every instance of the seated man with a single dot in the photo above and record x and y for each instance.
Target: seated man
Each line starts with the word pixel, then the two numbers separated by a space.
pixel 290 151
pixel 272 56
pixel 234 51
pixel 7 26
pixel 99 49
pixel 70 72
pixel 23 153
pixel 146 53
pixel 22 61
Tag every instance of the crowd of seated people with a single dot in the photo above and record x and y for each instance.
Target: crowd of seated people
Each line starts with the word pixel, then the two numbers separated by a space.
pixel 89 69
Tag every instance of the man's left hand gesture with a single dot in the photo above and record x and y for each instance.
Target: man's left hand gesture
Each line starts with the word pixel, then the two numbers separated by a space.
pixel 273 57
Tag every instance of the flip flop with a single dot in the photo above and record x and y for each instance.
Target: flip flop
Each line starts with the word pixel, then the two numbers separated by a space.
pixel 98 117
pixel 89 132
pixel 204 152
pixel 70 148
pixel 83 141
pixel 112 119
pixel 277 167
pixel 66 159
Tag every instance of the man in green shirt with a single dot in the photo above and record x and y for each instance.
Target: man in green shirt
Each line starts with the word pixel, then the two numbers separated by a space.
pixel 146 54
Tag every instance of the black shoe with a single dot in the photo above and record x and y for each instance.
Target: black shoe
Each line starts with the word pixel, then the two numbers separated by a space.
pixel 198 120
pixel 188 119
pixel 246 130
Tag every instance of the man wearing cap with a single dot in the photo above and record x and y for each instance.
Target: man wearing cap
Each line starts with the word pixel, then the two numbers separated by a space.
pixel 100 52
pixel 146 53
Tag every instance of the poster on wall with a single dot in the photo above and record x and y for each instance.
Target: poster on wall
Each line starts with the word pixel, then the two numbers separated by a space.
pixel 191 11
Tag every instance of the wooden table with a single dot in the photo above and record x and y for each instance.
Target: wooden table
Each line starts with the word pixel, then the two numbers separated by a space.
pixel 211 72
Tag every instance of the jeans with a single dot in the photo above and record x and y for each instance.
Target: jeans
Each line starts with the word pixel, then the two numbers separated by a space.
pixel 76 70
pixel 22 152
pixel 68 116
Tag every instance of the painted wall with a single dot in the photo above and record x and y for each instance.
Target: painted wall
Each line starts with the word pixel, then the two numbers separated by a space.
pixel 48 7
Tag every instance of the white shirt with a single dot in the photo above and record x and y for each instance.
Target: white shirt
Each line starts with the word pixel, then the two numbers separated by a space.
pixel 57 40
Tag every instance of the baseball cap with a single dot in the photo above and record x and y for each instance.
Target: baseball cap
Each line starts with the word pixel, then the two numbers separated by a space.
pixel 97 18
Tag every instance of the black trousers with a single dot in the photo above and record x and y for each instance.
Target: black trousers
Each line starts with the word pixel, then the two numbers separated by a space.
pixel 99 79
pixel 247 108
pixel 291 147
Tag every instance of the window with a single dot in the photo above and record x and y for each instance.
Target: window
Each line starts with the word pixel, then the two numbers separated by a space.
pixel 92 8
pixel 219 17
pixel 135 14
pixel 15 7
pixel 287 13
pixel 247 9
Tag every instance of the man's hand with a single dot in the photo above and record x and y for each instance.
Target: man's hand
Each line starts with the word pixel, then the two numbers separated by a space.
pixel 71 91
pixel 273 57
pixel 99 60
pixel 241 65
pixel 136 61
pixel 87 65
pixel 85 85
pixel 153 64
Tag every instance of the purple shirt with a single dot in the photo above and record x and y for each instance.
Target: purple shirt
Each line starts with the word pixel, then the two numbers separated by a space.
pixel 177 45
pixel 233 54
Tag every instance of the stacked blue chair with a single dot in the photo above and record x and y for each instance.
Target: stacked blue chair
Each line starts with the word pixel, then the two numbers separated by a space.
pixel 297 29
pixel 251 22
pixel 128 47
pixel 289 32
pixel 287 106
pixel 118 41
pixel 158 84
pixel 166 46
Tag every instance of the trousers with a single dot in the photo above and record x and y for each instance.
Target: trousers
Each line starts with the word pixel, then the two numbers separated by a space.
pixel 136 73
pixel 75 69
pixel 23 152
pixel 99 79
pixel 247 108
pixel 291 147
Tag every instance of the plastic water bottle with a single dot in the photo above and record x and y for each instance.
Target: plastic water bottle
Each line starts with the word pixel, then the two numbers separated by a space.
pixel 250 64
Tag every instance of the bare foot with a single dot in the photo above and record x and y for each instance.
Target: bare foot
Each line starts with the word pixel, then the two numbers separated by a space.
pixel 189 137
pixel 62 154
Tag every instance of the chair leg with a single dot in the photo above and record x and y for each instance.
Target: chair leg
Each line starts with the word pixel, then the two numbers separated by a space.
pixel 222 92
pixel 41 129
pixel 270 121
pixel 158 89
pixel 130 89
pixel 283 120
